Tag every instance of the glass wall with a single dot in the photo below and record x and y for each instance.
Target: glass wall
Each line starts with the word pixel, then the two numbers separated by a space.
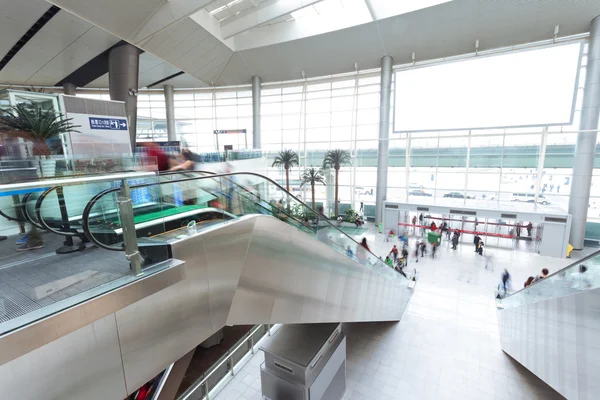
pixel 342 112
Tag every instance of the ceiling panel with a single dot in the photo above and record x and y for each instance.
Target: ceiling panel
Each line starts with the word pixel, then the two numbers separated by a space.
pixel 85 48
pixel 58 34
pixel 185 81
pixel 122 18
pixel 330 53
pixel 16 18
pixel 101 82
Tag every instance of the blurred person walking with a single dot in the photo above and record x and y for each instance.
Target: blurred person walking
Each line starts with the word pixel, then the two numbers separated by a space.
pixel 476 241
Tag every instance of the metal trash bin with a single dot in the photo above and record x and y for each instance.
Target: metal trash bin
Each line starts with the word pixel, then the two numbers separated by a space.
pixel 305 362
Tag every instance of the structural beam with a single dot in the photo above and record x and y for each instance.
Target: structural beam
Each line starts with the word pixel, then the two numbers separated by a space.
pixel 585 149
pixel 384 136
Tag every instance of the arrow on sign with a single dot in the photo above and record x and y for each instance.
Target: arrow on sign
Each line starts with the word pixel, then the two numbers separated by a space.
pixel 123 125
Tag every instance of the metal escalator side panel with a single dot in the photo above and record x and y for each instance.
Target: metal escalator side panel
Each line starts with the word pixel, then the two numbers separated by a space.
pixel 557 340
pixel 161 328
pixel 274 286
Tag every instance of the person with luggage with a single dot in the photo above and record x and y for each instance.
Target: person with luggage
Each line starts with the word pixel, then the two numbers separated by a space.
pixel 480 248
pixel 476 241
pixel 423 248
pixel 455 240
pixel 405 255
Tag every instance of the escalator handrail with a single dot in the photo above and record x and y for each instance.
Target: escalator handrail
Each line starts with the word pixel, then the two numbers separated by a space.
pixel 281 211
pixel 38 213
pixel 94 199
pixel 574 264
pixel 25 211
pixel 86 216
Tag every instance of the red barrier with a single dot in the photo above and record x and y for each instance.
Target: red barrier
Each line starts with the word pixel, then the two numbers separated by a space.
pixel 478 222
pixel 480 233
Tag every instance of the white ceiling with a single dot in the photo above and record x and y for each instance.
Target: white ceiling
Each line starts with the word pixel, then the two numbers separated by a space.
pixel 153 69
pixel 182 35
pixel 196 46
pixel 63 45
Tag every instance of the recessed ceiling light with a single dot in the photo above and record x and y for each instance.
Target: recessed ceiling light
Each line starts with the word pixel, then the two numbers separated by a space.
pixel 217 10
pixel 233 2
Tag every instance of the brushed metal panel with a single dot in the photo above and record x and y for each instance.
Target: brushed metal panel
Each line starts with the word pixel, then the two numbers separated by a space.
pixel 557 340
pixel 276 281
pixel 30 337
pixel 85 364
pixel 161 328
pixel 228 247
pixel 256 293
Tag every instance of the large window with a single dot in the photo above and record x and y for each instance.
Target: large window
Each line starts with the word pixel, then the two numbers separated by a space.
pixel 342 112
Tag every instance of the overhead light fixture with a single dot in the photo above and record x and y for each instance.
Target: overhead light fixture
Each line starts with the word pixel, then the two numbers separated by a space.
pixel 217 10
pixel 231 3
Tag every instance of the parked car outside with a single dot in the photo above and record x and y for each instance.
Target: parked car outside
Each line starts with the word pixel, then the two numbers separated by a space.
pixel 419 192
pixel 457 195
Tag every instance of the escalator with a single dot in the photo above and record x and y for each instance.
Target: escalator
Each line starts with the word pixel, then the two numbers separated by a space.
pixel 211 250
pixel 261 250
pixel 552 328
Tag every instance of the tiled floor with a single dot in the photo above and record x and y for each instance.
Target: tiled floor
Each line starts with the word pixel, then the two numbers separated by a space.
pixel 445 347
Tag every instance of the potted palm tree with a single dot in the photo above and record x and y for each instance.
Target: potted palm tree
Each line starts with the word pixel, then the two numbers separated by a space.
pixel 286 159
pixel 335 159
pixel 312 176
pixel 34 124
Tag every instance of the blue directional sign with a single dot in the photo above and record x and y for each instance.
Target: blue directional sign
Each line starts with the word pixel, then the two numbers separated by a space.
pixel 112 124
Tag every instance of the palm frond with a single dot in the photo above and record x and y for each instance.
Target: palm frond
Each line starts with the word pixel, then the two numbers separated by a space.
pixel 312 176
pixel 336 158
pixel 286 159
pixel 30 118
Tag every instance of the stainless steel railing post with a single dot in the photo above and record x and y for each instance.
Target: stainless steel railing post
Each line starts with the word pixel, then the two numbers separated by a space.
pixel 128 226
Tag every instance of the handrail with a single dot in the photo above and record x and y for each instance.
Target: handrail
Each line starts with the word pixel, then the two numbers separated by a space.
pixel 75 181
pixel 281 211
pixel 38 213
pixel 85 219
pixel 584 259
pixel 142 185
pixel 196 385
pixel 25 211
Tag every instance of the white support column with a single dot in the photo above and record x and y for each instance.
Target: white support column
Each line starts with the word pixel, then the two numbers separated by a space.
pixel 585 148
pixel 384 135
pixel 540 168
pixel 407 166
pixel 69 89
pixel 256 89
pixel 123 75
pixel 170 112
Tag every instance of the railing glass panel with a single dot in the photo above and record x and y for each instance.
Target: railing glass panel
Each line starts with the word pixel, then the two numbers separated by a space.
pixel 580 276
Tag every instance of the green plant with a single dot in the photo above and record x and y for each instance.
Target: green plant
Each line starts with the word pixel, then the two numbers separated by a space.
pixel 350 215
pixel 335 159
pixel 312 176
pixel 286 159
pixel 31 122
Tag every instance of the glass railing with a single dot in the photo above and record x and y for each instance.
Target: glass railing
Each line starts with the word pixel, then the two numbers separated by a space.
pixel 228 365
pixel 47 263
pixel 192 201
pixel 578 277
